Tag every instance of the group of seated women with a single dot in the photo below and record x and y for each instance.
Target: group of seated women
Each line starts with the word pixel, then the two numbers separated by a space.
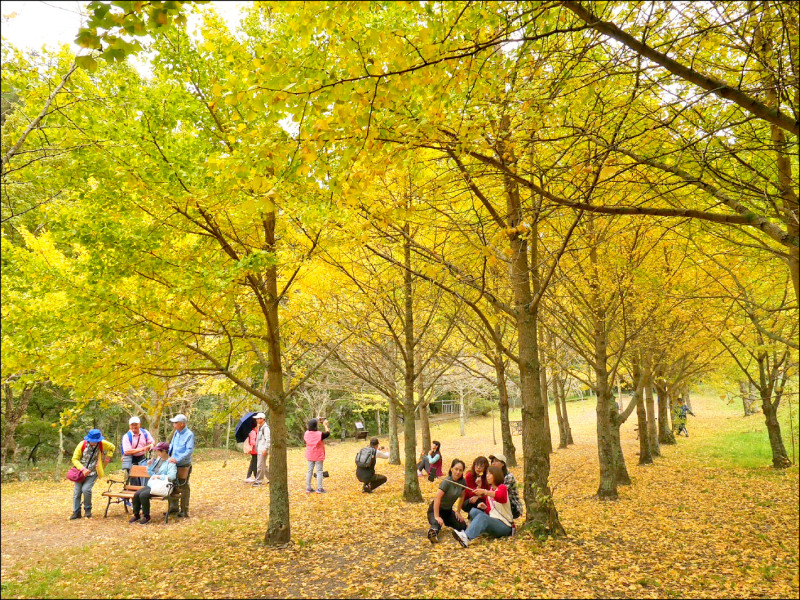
pixel 487 493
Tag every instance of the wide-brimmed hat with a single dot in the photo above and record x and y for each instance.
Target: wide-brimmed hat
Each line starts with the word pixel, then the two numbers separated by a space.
pixel 500 457
pixel 162 446
pixel 94 436
pixel 179 418
pixel 260 416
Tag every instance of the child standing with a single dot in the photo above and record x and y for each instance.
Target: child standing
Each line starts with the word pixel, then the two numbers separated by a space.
pixel 315 452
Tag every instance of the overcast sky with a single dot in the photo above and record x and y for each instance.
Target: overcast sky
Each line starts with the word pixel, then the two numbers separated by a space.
pixel 35 24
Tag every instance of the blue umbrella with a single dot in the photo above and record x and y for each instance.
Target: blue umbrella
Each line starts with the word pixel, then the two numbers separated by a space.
pixel 245 426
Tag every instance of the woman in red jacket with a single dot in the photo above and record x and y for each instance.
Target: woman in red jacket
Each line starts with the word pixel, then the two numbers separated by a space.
pixel 251 444
pixel 475 478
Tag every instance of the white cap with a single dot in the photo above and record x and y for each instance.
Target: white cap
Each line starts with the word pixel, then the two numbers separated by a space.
pixel 133 420
pixel 260 416
pixel 179 418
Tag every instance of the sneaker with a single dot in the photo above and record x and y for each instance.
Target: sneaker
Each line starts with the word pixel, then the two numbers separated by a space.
pixel 433 535
pixel 134 519
pixel 75 515
pixel 144 521
pixel 249 480
pixel 366 489
pixel 309 491
pixel 320 491
pixel 184 514
pixel 257 483
pixel 128 503
pixel 461 537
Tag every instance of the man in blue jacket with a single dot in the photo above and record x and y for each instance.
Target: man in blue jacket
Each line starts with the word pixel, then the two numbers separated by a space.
pixel 181 448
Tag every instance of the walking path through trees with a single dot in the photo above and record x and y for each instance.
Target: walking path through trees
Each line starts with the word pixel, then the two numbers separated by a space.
pixel 692 525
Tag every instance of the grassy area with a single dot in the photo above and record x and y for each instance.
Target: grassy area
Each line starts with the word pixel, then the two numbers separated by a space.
pixel 744 441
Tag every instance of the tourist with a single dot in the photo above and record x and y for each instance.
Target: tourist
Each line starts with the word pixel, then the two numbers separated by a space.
pixel 90 456
pixel 443 510
pixel 365 466
pixel 315 452
pixel 158 468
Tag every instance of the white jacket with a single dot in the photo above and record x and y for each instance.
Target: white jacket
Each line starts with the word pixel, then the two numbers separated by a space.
pixel 263 439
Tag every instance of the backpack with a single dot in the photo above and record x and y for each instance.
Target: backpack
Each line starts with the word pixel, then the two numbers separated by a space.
pixel 365 458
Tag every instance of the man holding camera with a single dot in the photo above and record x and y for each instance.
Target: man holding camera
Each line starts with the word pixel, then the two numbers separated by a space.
pixel 365 466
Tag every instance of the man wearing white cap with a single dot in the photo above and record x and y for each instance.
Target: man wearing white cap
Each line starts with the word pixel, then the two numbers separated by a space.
pixel 181 448
pixel 135 445
pixel 263 440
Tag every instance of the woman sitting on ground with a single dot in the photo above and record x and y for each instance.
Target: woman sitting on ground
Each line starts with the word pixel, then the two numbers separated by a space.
pixel 157 468
pixel 475 478
pixel 493 513
pixel 442 511
pixel 431 463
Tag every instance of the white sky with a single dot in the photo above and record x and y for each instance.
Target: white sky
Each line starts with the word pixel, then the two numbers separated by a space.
pixel 32 25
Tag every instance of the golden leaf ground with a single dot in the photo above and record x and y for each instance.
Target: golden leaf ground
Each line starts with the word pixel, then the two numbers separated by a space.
pixel 692 525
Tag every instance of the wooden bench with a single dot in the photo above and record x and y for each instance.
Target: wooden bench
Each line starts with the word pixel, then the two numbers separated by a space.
pixel 128 490
pixel 516 427
pixel 361 433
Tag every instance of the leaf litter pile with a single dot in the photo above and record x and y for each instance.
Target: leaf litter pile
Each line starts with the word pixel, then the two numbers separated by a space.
pixel 685 528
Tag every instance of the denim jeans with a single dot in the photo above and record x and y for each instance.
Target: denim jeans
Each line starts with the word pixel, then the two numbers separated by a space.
pixel 311 465
pixel 85 488
pixel 483 523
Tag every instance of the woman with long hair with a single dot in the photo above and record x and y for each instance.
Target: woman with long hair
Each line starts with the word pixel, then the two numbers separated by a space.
pixel 475 478
pixel 431 462
pixel 443 510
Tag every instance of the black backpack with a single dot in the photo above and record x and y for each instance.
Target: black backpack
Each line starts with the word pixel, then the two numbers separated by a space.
pixel 365 458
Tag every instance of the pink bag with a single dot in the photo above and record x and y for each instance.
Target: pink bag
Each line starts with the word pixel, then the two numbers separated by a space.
pixel 76 475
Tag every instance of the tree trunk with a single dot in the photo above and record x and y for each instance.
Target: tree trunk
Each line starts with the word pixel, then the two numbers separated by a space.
pixel 217 435
pixel 13 415
pixel 620 468
pixel 567 428
pixel 605 443
pixel 509 449
pixel 394 443
pixel 748 399
pixel 411 491
pixel 606 408
pixel 562 432
pixel 665 435
pixel 769 385
pixel 378 419
pixel 424 421
pixel 780 458
pixel 546 400
pixel 60 459
pixel 425 425
pixel 540 510
pixel 652 421
pixel 645 456
pixel 278 529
